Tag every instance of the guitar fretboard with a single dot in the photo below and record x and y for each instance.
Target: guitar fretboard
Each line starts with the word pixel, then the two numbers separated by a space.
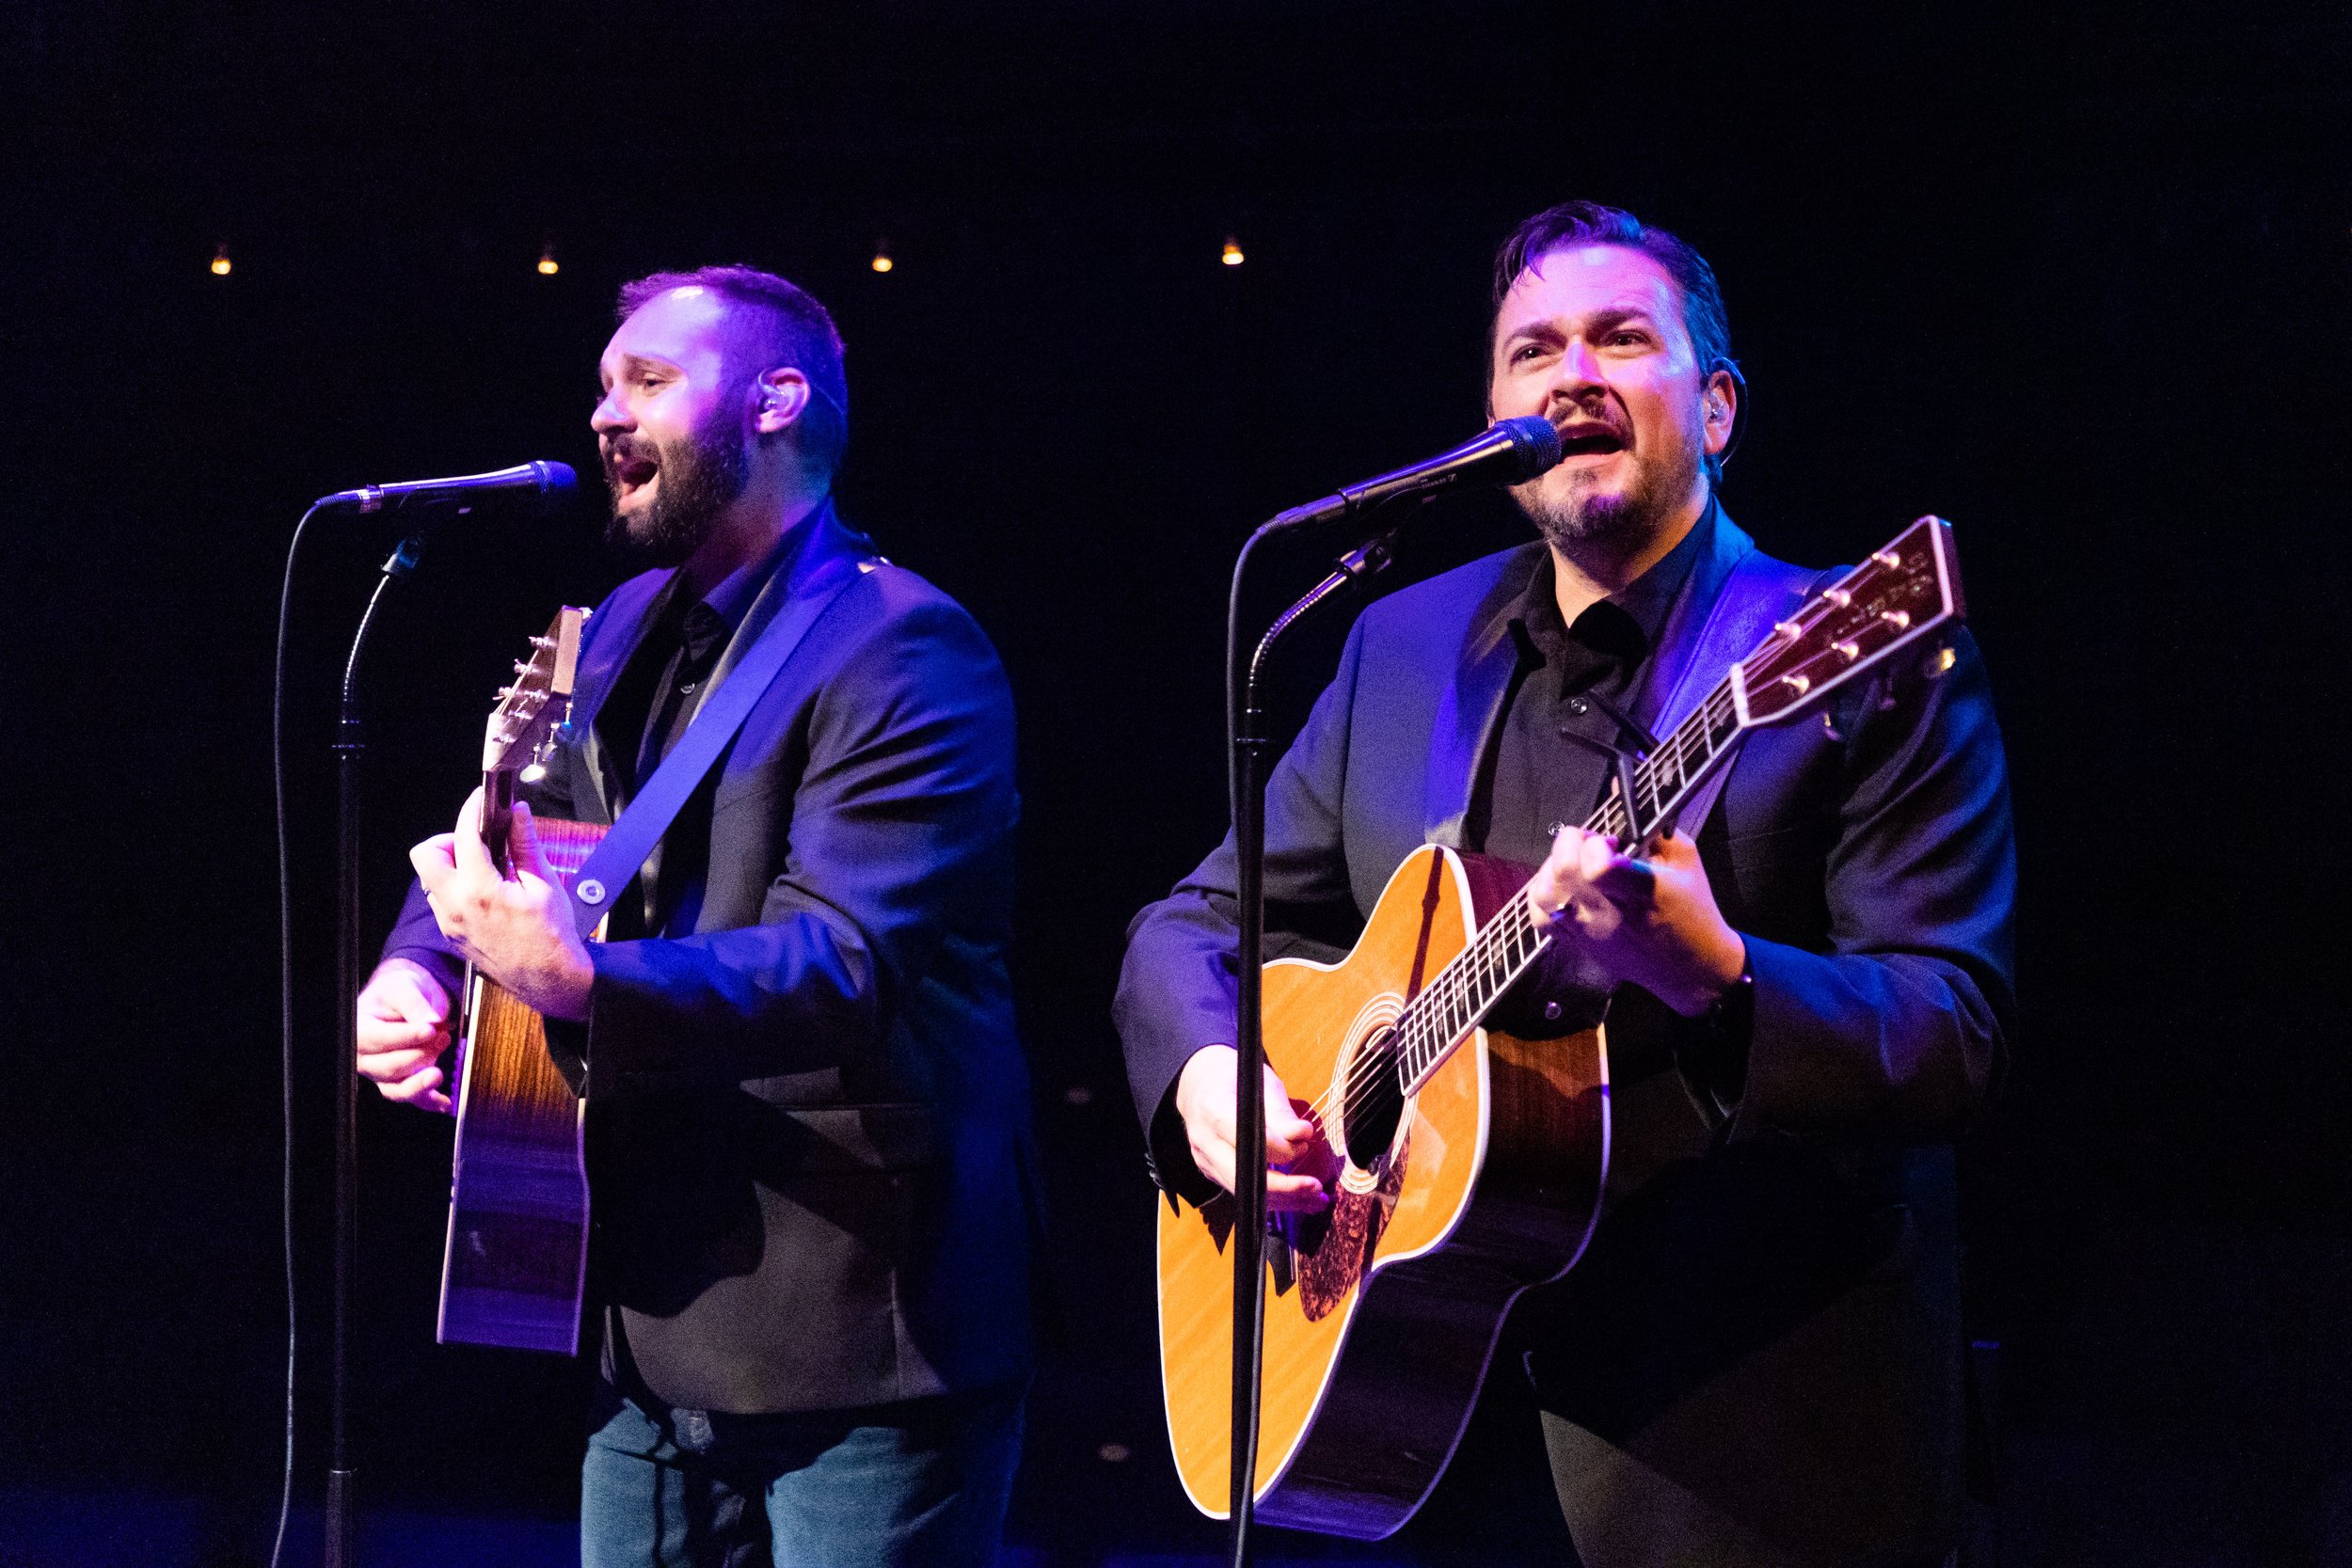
pixel 1892 598
pixel 1461 993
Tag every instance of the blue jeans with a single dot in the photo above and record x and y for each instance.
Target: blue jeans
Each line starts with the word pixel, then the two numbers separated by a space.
pixel 888 1486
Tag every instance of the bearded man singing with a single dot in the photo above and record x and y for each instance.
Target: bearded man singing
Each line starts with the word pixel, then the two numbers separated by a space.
pixel 1756 1362
pixel 806 1108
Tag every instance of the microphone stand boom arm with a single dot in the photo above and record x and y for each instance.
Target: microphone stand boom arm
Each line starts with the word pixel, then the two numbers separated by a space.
pixel 1246 743
pixel 1509 450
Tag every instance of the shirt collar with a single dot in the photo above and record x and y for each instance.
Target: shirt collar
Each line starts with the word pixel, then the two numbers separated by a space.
pixel 1640 607
pixel 708 624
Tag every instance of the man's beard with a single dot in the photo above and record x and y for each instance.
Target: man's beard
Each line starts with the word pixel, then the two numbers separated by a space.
pixel 700 477
pixel 1626 519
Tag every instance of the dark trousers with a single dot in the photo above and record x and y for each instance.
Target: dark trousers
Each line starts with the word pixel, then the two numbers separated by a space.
pixel 1527 1489
pixel 888 1486
pixel 1624 1515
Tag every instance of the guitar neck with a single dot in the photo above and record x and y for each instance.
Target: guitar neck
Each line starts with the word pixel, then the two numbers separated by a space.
pixel 1463 993
pixel 1895 596
pixel 498 814
pixel 1669 776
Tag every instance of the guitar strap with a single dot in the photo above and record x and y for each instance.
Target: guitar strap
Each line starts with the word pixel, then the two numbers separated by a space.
pixel 623 852
pixel 1757 592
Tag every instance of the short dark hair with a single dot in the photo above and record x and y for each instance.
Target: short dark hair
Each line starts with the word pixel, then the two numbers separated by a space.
pixel 788 327
pixel 1581 223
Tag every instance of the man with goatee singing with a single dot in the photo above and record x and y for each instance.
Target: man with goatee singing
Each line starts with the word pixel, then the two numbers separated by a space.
pixel 1756 1361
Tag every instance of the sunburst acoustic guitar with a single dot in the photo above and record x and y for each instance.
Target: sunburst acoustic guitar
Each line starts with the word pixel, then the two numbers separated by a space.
pixel 1465 1164
pixel 516 1262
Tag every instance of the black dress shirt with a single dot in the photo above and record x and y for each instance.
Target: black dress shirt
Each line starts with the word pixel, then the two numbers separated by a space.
pixel 1549 771
pixel 1541 778
pixel 652 704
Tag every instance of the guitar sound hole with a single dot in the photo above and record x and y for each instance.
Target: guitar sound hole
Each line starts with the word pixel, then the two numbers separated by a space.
pixel 1374 1101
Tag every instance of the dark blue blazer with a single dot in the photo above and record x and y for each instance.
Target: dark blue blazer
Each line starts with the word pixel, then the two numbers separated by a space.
pixel 1768 1316
pixel 808 1110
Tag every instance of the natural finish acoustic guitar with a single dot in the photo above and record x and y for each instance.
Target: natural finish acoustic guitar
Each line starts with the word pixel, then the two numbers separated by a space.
pixel 515 1262
pixel 1465 1164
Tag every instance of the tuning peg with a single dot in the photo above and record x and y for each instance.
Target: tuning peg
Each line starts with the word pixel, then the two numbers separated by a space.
pixel 541 755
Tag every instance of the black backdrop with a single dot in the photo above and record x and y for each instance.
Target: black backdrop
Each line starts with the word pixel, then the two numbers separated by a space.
pixel 2076 279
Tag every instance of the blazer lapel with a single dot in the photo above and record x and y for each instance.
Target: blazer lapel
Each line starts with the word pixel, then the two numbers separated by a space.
pixel 1470 710
pixel 825 541
pixel 1462 733
pixel 1665 685
pixel 609 650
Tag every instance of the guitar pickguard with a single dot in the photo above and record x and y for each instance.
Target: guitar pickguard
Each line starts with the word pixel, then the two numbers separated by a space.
pixel 1350 1235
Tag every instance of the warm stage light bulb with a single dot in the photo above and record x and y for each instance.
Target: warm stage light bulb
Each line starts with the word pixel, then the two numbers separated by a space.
pixel 881 262
pixel 220 261
pixel 546 262
pixel 1232 251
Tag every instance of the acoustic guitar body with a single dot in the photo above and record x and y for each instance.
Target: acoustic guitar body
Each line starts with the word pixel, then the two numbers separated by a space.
pixel 1381 1315
pixel 1482 1156
pixel 515 1265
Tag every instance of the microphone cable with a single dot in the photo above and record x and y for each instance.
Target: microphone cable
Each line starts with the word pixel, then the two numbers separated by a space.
pixel 285 1019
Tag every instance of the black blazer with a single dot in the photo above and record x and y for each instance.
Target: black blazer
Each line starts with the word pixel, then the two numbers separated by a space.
pixel 1767 1315
pixel 808 1115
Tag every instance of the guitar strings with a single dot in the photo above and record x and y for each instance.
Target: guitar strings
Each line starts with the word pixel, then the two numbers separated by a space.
pixel 1455 984
pixel 1416 1033
pixel 1444 1004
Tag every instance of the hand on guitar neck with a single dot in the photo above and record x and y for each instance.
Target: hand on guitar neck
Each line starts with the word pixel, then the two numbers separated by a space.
pixel 1651 920
pixel 514 926
pixel 510 925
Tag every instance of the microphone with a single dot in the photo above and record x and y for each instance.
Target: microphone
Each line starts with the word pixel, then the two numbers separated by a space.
pixel 1507 452
pixel 546 484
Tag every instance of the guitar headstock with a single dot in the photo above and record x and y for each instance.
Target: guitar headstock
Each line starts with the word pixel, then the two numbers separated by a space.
pixel 517 737
pixel 1898 595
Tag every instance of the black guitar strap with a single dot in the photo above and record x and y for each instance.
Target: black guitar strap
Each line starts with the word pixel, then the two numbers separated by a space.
pixel 610 867
pixel 1757 592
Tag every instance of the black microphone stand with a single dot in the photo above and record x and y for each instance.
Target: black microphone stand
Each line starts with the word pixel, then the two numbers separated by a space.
pixel 549 483
pixel 1246 743
pixel 342 1511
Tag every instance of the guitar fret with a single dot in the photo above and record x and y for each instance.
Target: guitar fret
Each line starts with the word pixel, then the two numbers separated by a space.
pixel 1452 1003
pixel 1669 772
pixel 1776 677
